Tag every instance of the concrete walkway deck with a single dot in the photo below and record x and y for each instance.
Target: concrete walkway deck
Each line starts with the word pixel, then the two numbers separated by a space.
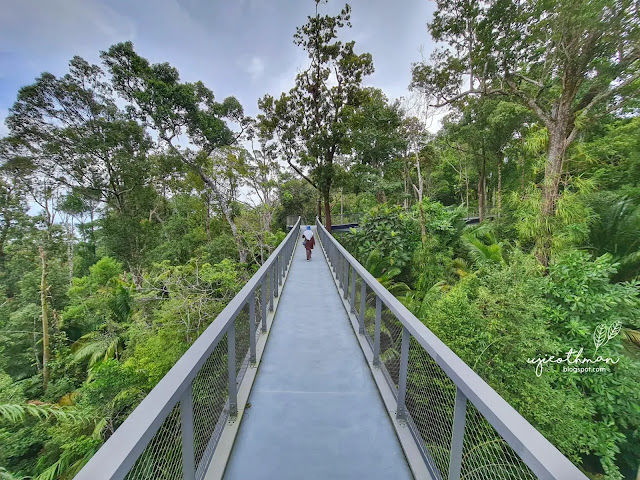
pixel 315 411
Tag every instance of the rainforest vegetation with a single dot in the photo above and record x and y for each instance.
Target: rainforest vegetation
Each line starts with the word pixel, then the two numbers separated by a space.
pixel 134 205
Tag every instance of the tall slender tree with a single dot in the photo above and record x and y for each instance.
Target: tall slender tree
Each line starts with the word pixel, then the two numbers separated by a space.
pixel 310 121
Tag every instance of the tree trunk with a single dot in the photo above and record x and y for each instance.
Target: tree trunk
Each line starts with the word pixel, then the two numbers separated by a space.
pixel 207 222
pixel 482 187
pixel 319 209
pixel 327 211
pixel 419 192
pixel 500 160
pixel 381 197
pixel 44 290
pixel 242 252
pixel 550 187
pixel 553 172
pixel 341 206
pixel 406 185
pixel 70 251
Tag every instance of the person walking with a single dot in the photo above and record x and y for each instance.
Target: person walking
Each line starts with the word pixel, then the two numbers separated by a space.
pixel 308 241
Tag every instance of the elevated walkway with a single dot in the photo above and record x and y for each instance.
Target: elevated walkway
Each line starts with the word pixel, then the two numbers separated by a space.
pixel 316 371
pixel 315 412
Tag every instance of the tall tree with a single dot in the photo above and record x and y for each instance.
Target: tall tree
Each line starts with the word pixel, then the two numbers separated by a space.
pixel 375 136
pixel 72 131
pixel 567 61
pixel 310 121
pixel 13 210
pixel 173 108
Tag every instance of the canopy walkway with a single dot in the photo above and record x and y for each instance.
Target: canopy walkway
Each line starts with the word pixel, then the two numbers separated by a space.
pixel 314 370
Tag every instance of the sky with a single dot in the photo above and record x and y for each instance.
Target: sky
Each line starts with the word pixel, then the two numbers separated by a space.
pixel 241 48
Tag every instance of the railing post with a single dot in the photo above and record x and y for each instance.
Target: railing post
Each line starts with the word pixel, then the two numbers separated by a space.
pixel 363 304
pixel 332 259
pixel 270 273
pixel 345 279
pixel 186 423
pixel 376 337
pixel 231 362
pixel 401 413
pixel 263 302
pixel 457 435
pixel 353 291
pixel 274 269
pixel 280 269
pixel 252 328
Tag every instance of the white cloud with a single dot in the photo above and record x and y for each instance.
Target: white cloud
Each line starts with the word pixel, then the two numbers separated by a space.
pixel 40 27
pixel 255 67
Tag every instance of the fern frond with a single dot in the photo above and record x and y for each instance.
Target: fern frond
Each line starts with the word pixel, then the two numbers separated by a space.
pixel 15 413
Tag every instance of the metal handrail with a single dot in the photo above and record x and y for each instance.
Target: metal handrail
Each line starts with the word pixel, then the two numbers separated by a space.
pixel 121 451
pixel 540 455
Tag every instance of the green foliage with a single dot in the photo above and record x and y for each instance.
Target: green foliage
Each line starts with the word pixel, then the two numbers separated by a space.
pixel 615 231
pixel 493 320
pixel 483 246
pixel 432 262
pixel 142 235
pixel 581 298
pixel 385 273
pixel 389 230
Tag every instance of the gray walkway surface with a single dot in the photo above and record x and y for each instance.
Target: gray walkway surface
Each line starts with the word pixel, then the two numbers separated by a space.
pixel 315 411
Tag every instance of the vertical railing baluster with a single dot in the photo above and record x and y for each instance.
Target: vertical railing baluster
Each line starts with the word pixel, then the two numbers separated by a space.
pixel 457 435
pixel 345 277
pixel 231 362
pixel 280 269
pixel 332 262
pixel 263 302
pixel 274 270
pixel 363 304
pixel 401 412
pixel 252 327
pixel 353 290
pixel 376 337
pixel 271 290
pixel 186 423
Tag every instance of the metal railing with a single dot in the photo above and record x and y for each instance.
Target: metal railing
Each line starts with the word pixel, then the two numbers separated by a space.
pixel 174 431
pixel 346 218
pixel 463 428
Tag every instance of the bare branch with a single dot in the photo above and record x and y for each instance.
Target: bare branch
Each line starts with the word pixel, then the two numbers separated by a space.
pixel 302 174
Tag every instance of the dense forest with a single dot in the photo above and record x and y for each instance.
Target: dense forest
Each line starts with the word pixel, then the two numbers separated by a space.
pixel 134 205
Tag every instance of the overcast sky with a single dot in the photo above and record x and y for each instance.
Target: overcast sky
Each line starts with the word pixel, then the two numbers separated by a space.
pixel 242 48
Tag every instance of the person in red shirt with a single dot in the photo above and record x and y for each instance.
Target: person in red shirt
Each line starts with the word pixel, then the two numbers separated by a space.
pixel 308 241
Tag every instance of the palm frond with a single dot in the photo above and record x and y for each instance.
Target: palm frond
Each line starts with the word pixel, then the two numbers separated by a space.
pixel 481 252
